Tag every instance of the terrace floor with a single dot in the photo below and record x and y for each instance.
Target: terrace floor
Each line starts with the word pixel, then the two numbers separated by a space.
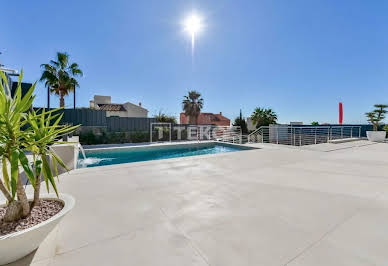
pixel 318 205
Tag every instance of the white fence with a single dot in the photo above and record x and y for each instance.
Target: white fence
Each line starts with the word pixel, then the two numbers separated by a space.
pixel 299 136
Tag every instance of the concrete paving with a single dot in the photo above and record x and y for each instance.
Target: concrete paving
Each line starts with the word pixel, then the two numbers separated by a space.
pixel 317 205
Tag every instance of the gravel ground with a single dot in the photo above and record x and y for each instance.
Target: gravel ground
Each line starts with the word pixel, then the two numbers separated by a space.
pixel 44 211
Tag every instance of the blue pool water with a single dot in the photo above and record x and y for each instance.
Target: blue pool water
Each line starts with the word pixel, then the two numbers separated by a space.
pixel 101 157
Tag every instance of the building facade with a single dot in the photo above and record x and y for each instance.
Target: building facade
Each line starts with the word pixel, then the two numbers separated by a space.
pixel 127 109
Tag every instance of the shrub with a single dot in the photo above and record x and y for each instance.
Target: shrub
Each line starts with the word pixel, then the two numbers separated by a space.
pixel 88 138
pixel 91 138
pixel 139 136
pixel 386 128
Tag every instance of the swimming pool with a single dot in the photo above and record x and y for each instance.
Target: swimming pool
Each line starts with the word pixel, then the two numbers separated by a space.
pixel 109 156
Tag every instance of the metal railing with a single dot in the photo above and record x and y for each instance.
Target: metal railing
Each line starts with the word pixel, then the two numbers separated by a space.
pixel 299 136
pixel 231 134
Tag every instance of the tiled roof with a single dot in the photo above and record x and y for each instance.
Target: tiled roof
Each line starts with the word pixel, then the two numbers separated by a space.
pixel 111 107
pixel 212 117
pixel 207 119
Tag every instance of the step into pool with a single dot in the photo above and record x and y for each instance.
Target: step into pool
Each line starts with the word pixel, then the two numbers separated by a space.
pixel 109 156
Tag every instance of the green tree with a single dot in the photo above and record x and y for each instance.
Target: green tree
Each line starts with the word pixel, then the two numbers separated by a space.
pixel 60 77
pixel 377 115
pixel 164 118
pixel 192 105
pixel 240 121
pixel 314 123
pixel 263 117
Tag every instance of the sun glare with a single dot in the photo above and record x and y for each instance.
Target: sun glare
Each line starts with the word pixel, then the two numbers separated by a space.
pixel 193 24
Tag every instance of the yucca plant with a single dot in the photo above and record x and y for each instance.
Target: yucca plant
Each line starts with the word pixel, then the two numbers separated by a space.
pixel 43 132
pixel 12 119
pixel 22 130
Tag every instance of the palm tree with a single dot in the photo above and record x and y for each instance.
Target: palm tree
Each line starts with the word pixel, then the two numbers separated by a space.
pixel 192 105
pixel 60 77
pixel 263 117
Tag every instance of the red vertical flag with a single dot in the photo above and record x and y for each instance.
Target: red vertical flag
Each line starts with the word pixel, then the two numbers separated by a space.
pixel 341 114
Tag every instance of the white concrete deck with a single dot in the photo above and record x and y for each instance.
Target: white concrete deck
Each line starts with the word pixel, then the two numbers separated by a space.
pixel 318 205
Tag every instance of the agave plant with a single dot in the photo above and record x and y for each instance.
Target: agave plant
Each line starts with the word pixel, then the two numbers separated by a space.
pixel 22 130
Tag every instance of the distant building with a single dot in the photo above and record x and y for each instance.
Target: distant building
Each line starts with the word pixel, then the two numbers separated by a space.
pixel 9 73
pixel 250 124
pixel 207 119
pixel 117 109
pixel 296 123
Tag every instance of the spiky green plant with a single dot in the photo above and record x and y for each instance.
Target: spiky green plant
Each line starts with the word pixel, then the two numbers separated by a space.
pixel 43 132
pixel 21 130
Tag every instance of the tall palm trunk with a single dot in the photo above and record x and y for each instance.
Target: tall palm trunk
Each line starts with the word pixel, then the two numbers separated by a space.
pixel 48 98
pixel 74 98
pixel 61 99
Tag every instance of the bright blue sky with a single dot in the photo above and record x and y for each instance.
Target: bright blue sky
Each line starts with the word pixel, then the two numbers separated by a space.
pixel 298 57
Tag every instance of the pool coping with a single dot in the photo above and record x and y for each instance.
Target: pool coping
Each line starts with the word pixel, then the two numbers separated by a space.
pixel 153 145
pixel 167 160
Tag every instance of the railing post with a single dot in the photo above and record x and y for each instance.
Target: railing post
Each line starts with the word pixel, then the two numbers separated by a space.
pixel 277 135
pixel 262 136
pixel 328 134
pixel 300 138
pixel 351 132
pixel 170 131
pixel 342 132
pixel 315 135
pixel 359 132
pixel 294 138
pixel 151 133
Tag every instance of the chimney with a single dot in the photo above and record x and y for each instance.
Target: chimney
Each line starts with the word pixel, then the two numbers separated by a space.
pixel 220 113
pixel 140 104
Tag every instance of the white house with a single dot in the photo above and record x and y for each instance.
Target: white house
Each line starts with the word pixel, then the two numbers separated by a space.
pixel 116 109
pixel 250 124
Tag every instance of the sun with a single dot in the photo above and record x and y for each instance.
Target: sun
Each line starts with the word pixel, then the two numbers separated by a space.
pixel 193 24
